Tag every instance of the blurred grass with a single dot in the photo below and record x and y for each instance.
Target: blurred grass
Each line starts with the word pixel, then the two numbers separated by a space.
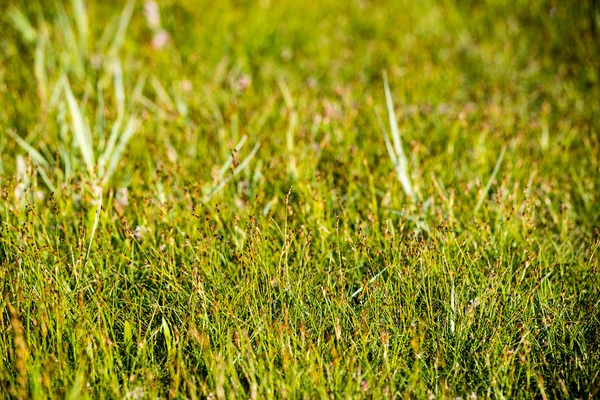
pixel 294 265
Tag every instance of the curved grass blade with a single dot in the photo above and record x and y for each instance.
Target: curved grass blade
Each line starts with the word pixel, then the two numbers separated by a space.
pixel 490 181
pixel 80 131
pixel 402 163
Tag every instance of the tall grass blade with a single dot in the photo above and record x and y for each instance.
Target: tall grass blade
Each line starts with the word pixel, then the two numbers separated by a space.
pixel 39 69
pixel 236 171
pixel 100 123
pixel 98 197
pixel 22 24
pixel 386 139
pixel 373 279
pixel 138 89
pixel 229 160
pixel 115 157
pixel 74 60
pixel 57 91
pixel 163 97
pixel 110 145
pixel 81 21
pixel 247 160
pixel 490 181
pixel 119 87
pixel 119 37
pixel 35 155
pixel 452 308
pixel 80 131
pixel 37 158
pixel 291 132
pixel 107 34
pixel 402 163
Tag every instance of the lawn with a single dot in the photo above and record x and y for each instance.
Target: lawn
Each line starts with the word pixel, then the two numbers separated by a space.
pixel 295 199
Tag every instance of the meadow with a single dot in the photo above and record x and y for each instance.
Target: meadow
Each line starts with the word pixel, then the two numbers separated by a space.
pixel 292 199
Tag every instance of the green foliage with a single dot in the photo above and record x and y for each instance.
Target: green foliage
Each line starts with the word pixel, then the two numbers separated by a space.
pixel 209 203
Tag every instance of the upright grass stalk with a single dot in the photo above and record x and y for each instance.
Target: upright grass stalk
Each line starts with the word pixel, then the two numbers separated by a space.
pixel 452 306
pixel 81 21
pixel 81 132
pixel 488 186
pixel 396 151
pixel 293 125
pixel 98 197
pixel 222 180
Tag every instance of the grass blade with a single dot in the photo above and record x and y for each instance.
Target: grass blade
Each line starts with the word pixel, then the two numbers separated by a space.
pixel 35 155
pixel 235 172
pixel 119 38
pixel 80 130
pixel 386 139
pixel 247 160
pixel 119 88
pixel 98 198
pixel 115 157
pixel 74 60
pixel 110 145
pixel 490 181
pixel 81 21
pixel 37 158
pixel 39 69
pixel 161 94
pixel 229 160
pixel 22 24
pixel 402 163
pixel 373 279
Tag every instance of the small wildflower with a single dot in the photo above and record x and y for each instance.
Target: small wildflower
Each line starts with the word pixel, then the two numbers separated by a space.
pixel 160 39
pixel 311 82
pixel 186 85
pixel 39 196
pixel 152 14
pixel 123 197
pixel 364 386
pixel 244 82
pixel 19 190
pixel 135 393
pixel 474 302
pixel 140 232
pixel 286 54
pixel 22 176
pixel 96 61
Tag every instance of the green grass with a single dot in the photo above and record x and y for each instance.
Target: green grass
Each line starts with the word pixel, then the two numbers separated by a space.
pixel 338 199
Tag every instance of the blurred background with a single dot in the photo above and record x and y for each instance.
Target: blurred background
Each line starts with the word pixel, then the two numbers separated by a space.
pixel 467 77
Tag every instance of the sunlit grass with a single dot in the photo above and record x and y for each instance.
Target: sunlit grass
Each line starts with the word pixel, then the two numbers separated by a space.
pixel 292 199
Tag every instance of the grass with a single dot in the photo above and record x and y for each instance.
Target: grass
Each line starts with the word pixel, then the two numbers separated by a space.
pixel 209 205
